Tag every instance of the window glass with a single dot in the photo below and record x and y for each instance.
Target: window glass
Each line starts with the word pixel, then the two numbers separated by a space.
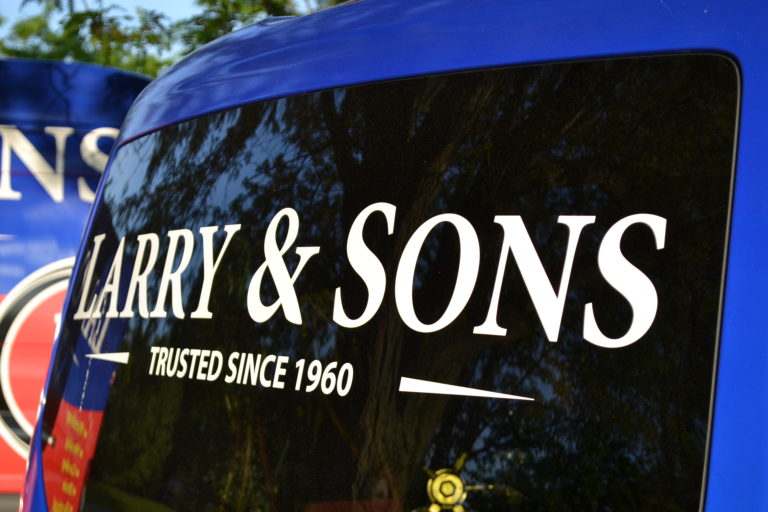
pixel 488 290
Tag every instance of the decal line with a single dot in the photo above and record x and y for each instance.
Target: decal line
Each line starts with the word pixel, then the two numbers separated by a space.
pixel 115 357
pixel 408 385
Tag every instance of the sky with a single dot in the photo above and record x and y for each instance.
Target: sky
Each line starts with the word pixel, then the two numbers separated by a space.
pixel 12 11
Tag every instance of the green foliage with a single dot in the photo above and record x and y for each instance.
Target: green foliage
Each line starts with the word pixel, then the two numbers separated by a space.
pixel 144 42
pixel 219 17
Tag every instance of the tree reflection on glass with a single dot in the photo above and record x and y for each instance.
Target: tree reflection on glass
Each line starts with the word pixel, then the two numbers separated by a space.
pixel 621 429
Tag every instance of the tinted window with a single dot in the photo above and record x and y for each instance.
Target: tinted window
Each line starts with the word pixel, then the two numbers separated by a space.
pixel 555 233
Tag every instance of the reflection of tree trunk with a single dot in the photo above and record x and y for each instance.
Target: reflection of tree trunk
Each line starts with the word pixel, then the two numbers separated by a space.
pixel 397 439
pixel 250 481
pixel 266 465
pixel 245 476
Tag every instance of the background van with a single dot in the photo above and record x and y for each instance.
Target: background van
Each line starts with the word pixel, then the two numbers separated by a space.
pixel 434 255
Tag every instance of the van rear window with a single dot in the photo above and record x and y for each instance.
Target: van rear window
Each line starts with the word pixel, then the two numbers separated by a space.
pixel 496 289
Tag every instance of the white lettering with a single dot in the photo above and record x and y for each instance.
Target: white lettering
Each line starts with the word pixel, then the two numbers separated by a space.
pixel 549 305
pixel 202 364
pixel 111 286
pixel 194 352
pixel 215 365
pixel 51 179
pixel 251 369
pixel 82 313
pixel 139 275
pixel 173 277
pixel 367 266
pixel 627 280
pixel 229 378
pixel 162 356
pixel 94 158
pixel 469 264
pixel 210 265
pixel 263 380
pixel 154 351
pixel 283 279
pixel 280 371
pixel 183 362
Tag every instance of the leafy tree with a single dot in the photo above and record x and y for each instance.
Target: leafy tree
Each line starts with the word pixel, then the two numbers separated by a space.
pixel 219 17
pixel 145 41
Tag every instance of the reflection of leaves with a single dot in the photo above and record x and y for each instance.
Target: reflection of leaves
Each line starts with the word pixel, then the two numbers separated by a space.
pixel 625 428
pixel 138 452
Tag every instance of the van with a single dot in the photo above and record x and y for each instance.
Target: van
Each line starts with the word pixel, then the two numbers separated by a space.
pixel 58 121
pixel 434 256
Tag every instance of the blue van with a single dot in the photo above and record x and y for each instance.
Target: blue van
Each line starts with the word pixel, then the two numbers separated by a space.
pixel 428 256
pixel 58 121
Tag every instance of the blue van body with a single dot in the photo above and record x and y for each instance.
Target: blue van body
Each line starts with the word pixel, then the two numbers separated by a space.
pixel 375 40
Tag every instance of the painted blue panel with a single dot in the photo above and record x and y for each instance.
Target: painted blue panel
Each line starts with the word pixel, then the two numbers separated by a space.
pixel 37 226
pixel 367 41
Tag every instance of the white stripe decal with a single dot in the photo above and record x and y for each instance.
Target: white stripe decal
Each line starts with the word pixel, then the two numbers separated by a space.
pixel 115 357
pixel 408 385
